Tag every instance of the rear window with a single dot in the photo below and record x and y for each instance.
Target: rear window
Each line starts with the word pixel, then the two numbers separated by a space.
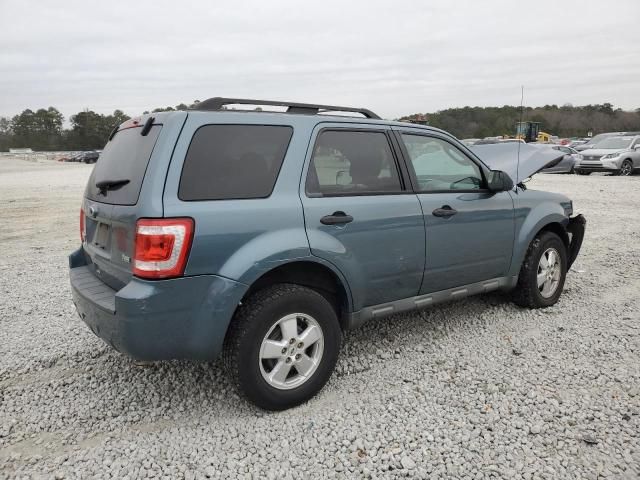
pixel 125 157
pixel 233 162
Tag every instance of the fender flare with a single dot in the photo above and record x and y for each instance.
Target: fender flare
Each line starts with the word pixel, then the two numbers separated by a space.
pixel 539 218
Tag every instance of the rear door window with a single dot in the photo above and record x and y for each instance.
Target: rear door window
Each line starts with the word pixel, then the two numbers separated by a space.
pixel 349 162
pixel 124 158
pixel 233 162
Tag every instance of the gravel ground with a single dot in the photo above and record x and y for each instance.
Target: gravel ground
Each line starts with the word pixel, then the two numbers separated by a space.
pixel 475 389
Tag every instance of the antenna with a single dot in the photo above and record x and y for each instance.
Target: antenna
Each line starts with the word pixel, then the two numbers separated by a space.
pixel 518 128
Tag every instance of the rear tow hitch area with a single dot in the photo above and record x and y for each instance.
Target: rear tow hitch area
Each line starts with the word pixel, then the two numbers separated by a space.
pixel 575 229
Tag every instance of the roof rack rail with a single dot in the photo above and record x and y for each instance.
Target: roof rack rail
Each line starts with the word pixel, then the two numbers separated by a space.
pixel 217 103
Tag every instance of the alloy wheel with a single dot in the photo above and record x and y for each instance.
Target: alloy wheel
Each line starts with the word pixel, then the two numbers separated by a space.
pixel 549 272
pixel 291 351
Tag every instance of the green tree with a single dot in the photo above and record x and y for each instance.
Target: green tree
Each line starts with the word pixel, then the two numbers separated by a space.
pixel 89 130
pixel 39 130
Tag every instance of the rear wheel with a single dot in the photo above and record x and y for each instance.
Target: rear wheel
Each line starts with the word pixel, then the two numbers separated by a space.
pixel 282 346
pixel 543 272
pixel 626 168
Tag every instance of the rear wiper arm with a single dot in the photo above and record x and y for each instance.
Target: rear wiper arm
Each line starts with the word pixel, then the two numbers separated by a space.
pixel 105 185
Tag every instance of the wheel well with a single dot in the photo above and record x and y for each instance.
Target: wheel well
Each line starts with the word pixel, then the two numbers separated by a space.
pixel 559 230
pixel 308 274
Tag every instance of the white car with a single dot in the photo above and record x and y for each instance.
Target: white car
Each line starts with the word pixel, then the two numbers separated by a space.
pixel 619 155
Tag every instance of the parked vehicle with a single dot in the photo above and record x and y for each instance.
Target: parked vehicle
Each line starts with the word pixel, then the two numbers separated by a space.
pixel 619 155
pixel 70 157
pixel 591 143
pixel 494 140
pixel 89 157
pixel 576 142
pixel 469 141
pixel 566 164
pixel 263 236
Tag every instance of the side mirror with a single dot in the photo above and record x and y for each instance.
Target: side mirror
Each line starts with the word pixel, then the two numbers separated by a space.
pixel 499 181
pixel 637 147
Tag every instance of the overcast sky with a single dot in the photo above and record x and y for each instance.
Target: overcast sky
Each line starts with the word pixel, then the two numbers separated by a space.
pixel 393 57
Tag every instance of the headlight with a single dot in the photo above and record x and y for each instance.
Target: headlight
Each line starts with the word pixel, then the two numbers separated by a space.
pixel 611 156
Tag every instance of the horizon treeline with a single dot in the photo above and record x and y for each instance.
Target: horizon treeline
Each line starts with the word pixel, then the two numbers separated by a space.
pixel 43 129
pixel 563 121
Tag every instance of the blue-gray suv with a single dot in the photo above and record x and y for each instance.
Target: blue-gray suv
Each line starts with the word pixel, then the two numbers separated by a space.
pixel 262 236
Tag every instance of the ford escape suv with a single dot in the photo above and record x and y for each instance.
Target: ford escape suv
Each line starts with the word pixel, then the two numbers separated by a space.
pixel 262 236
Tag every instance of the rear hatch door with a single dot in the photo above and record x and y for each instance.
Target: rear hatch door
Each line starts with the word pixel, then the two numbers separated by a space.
pixel 110 204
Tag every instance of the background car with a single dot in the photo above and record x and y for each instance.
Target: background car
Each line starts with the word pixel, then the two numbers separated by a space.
pixel 494 140
pixel 71 157
pixel 566 165
pixel 618 154
pixel 575 142
pixel 600 137
pixel 89 157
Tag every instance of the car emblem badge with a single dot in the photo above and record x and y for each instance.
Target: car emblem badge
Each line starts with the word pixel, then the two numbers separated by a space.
pixel 126 258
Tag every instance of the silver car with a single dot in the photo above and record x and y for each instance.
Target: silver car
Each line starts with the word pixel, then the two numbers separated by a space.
pixel 619 155
pixel 568 161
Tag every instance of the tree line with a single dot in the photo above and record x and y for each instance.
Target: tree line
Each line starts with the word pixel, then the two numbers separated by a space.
pixel 43 129
pixel 563 121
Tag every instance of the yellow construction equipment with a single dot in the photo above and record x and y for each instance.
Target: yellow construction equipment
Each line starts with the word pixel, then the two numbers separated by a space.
pixel 530 132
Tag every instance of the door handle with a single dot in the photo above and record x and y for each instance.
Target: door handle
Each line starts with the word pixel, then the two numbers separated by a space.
pixel 336 218
pixel 444 211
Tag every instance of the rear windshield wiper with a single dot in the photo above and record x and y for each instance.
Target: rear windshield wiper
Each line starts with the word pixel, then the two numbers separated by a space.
pixel 105 185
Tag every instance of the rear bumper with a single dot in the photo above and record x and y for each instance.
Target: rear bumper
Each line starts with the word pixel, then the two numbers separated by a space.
pixel 181 318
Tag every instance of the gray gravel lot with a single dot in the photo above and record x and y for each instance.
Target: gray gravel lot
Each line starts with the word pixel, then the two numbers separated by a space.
pixel 475 389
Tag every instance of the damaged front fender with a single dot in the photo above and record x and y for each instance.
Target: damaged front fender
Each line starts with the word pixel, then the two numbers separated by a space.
pixel 575 229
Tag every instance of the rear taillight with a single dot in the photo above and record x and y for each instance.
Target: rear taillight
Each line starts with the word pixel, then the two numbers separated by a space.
pixel 162 247
pixel 83 232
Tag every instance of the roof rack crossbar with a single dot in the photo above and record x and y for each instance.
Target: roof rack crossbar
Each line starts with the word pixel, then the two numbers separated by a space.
pixel 217 103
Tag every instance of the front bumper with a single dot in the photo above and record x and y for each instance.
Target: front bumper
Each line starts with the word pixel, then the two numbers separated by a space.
pixel 180 318
pixel 575 229
pixel 599 166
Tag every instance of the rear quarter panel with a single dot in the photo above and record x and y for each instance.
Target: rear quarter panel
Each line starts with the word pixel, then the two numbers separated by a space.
pixel 242 239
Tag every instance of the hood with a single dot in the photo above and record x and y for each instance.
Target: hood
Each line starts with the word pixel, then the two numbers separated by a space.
pixel 599 152
pixel 504 156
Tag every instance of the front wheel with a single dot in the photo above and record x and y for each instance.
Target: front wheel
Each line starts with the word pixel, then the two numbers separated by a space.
pixel 282 346
pixel 626 168
pixel 543 272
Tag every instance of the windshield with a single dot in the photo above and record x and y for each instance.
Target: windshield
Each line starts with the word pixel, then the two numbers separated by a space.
pixel 597 138
pixel 615 143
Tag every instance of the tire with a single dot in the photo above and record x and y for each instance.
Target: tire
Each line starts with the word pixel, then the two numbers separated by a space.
pixel 626 169
pixel 582 172
pixel 528 293
pixel 265 314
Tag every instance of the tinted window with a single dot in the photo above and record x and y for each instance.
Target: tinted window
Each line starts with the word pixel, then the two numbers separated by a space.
pixel 439 165
pixel 125 157
pixel 348 162
pixel 233 161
